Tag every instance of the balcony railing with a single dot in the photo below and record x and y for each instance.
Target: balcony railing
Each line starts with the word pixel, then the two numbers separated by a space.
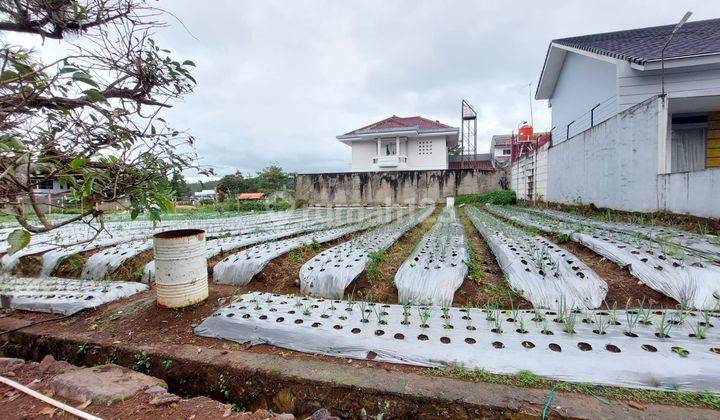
pixel 391 161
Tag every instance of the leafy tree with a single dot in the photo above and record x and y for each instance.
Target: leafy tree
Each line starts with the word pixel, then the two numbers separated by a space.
pixel 272 178
pixel 179 186
pixel 93 119
pixel 233 184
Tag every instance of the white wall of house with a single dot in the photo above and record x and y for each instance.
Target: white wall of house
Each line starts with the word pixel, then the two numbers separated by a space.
pixel 362 153
pixel 583 83
pixel 51 187
pixel 635 86
pixel 422 152
pixel 614 164
pixel 427 153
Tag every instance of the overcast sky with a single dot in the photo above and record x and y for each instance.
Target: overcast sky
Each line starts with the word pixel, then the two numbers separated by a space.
pixel 278 80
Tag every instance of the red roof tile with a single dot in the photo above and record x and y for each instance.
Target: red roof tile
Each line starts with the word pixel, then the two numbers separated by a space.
pixel 396 122
pixel 250 196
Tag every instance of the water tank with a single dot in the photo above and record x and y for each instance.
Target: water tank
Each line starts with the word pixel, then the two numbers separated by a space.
pixel 525 133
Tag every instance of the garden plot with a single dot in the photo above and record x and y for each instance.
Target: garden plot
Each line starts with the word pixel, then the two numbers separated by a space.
pixel 218 246
pixel 690 280
pixel 705 246
pixel 330 272
pixel 604 347
pixel 542 272
pixel 74 238
pixel 237 235
pixel 239 268
pixel 437 267
pixel 64 296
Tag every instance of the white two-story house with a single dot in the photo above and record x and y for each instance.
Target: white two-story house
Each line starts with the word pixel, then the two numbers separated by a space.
pixel 397 143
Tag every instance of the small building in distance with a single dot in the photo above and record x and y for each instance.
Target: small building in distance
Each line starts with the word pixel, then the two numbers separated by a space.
pixel 503 147
pixel 251 196
pixel 401 143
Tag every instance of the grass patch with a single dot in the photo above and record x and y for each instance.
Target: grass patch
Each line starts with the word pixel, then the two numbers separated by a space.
pixel 372 269
pixel 530 380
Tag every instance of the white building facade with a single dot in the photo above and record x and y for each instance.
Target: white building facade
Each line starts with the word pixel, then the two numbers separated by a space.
pixel 627 134
pixel 397 143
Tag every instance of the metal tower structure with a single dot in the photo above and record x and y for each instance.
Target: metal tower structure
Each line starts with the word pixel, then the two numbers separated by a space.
pixel 468 134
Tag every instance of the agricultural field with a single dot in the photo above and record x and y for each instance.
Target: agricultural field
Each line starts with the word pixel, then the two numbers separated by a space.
pixel 501 292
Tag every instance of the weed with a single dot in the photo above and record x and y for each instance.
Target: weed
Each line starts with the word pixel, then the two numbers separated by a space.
pixel 372 267
pixel 222 386
pixel 112 358
pixel 167 363
pixel 527 378
pixel 141 362
pixel 82 349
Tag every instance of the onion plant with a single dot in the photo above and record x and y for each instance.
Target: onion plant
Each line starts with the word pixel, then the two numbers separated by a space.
pixel 569 323
pixel 663 327
pixel 424 315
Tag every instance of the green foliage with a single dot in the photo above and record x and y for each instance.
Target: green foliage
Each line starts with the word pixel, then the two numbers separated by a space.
pixel 375 258
pixel 141 362
pixel 269 179
pixel 179 186
pixel 18 239
pixel 493 197
pixel 167 364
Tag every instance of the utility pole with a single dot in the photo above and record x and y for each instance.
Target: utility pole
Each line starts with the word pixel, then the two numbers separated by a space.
pixel 662 53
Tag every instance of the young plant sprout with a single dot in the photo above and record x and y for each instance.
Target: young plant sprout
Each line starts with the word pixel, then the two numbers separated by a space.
pixel 706 318
pixel 445 312
pixel 632 317
pixel 380 314
pixel 424 315
pixel 497 322
pixel 569 324
pixel 489 311
pixel 307 310
pixel 256 304
pixel 601 325
pixel 521 324
pixel 406 313
pixel 539 316
pixel 562 311
pixel 545 329
pixel 612 314
pixel 699 330
pixel 645 314
pixel 663 327
pixel 298 302
pixel 364 312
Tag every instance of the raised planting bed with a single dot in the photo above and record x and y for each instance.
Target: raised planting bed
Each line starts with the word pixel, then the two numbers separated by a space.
pixel 437 267
pixel 331 271
pixel 239 268
pixel 692 281
pixel 64 296
pixel 544 273
pixel 627 348
pixel 703 245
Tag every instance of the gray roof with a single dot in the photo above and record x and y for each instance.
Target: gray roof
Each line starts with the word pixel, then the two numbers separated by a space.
pixel 645 44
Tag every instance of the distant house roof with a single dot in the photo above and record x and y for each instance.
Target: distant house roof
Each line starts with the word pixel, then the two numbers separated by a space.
pixel 251 196
pixel 395 123
pixel 641 47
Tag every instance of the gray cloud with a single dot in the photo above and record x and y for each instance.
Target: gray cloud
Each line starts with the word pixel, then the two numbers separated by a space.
pixel 277 80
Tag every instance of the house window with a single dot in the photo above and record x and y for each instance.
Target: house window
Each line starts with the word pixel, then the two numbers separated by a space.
pixel 688 142
pixel 506 152
pixel 46 184
pixel 425 147
pixel 390 149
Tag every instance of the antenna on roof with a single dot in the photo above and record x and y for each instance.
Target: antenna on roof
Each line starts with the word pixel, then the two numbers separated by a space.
pixel 530 97
pixel 662 53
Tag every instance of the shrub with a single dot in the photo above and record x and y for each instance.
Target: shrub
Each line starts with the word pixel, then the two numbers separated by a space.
pixel 492 197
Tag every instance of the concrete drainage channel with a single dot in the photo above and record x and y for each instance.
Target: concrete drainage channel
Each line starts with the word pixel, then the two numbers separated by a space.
pixel 254 381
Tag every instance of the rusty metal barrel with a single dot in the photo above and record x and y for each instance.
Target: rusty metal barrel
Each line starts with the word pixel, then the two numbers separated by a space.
pixel 181 277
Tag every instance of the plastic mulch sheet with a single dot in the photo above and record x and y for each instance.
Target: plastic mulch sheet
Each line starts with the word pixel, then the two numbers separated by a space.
pixel 692 281
pixel 611 348
pixel 64 296
pixel 239 268
pixel 329 273
pixel 543 272
pixel 437 266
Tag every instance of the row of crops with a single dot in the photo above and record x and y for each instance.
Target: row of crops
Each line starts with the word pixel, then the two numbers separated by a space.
pixel 680 265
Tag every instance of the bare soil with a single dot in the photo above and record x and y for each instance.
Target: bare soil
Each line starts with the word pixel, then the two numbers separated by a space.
pixel 18 405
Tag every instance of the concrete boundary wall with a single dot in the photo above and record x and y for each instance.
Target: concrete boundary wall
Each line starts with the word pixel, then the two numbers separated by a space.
pixel 393 187
pixel 614 164
pixel 696 193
